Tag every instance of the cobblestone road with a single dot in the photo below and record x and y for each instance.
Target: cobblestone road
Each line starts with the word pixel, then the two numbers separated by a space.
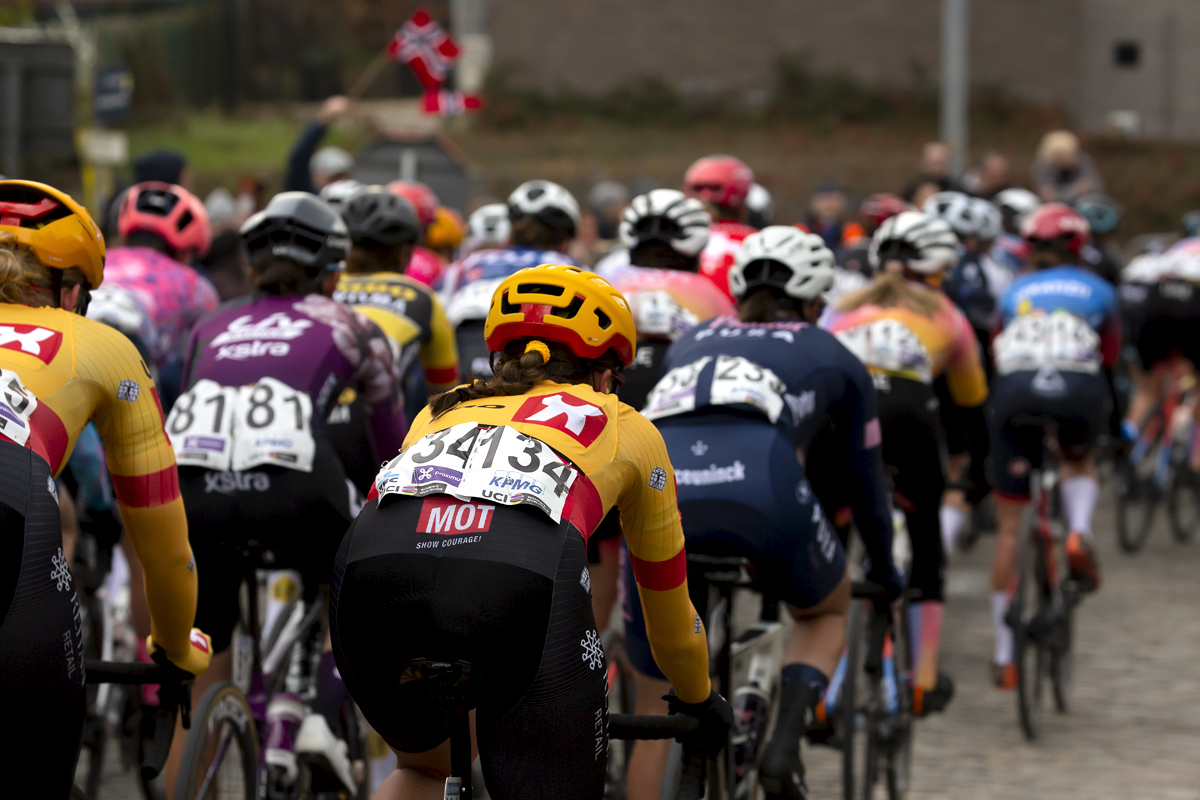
pixel 1134 730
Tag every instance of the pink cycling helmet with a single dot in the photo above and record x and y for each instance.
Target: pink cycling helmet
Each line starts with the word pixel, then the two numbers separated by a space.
pixel 421 196
pixel 720 180
pixel 169 211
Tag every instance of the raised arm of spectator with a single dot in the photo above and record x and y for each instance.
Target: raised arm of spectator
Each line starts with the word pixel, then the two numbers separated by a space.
pixel 299 177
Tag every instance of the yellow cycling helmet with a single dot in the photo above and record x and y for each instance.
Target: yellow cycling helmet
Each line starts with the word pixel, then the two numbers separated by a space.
pixel 59 231
pixel 564 304
pixel 446 230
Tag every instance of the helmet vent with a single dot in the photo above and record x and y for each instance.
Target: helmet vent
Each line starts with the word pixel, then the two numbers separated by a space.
pixel 506 307
pixel 541 288
pixel 605 320
pixel 185 219
pixel 571 310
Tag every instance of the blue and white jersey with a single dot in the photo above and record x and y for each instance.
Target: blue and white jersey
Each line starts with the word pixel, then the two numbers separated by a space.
pixel 466 286
pixel 1067 288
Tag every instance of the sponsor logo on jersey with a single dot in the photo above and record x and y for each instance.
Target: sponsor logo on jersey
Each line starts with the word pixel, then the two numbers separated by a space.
pixel 31 339
pixel 803 405
pixel 513 481
pixel 699 448
pixel 240 352
pixel 274 326
pixel 707 477
pixel 128 391
pixel 449 516
pixel 658 479
pixel 229 482
pixel 564 412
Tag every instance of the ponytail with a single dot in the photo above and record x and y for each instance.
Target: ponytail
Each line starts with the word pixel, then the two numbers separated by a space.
pixel 25 280
pixel 522 365
pixel 892 290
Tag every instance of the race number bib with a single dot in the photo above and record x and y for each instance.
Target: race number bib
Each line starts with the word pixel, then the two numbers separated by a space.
pixel 676 392
pixel 890 345
pixel 467 461
pixel 657 314
pixel 738 380
pixel 1060 340
pixel 17 405
pixel 224 427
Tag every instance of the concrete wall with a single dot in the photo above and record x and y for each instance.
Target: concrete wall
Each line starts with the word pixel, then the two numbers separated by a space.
pixel 1028 47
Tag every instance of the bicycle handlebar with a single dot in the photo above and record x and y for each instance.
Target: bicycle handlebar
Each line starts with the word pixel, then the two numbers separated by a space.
pixel 174 696
pixel 676 726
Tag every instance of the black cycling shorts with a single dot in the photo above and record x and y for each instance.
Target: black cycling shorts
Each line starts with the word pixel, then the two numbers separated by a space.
pixel 299 517
pixel 1077 402
pixel 742 492
pixel 501 587
pixel 1161 320
pixel 41 646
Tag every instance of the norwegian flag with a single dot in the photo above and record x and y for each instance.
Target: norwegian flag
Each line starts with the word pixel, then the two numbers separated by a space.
pixel 449 104
pixel 425 47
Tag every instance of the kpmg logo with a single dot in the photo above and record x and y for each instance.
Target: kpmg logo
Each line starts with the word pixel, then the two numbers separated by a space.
pixel 511 481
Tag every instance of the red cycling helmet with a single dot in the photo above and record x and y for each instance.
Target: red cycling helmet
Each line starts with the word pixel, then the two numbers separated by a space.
pixel 168 210
pixel 1055 221
pixel 879 207
pixel 720 180
pixel 422 198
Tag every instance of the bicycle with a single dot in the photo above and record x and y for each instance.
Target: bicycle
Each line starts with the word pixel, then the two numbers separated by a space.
pixel 621 697
pixel 174 699
pixel 1041 613
pixel 224 755
pixel 872 693
pixel 1157 468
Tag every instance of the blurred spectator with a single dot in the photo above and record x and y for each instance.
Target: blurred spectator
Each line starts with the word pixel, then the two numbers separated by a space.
pixel 251 195
pixel 935 169
pixel 222 210
pixel 1062 171
pixel 308 169
pixel 597 234
pixel 826 218
pixel 164 166
pixel 923 192
pixel 223 266
pixel 991 178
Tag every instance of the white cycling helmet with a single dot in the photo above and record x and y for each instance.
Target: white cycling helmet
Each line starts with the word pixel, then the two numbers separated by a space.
pixel 925 244
pixel 666 215
pixel 760 206
pixel 338 192
pixel 966 215
pixel 550 203
pixel 488 226
pixel 1015 204
pixel 782 257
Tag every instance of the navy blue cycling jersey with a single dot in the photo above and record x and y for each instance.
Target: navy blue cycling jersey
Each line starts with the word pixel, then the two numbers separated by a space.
pixel 794 376
pixel 967 285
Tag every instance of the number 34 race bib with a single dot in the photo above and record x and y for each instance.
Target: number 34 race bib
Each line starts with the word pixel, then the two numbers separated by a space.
pixel 499 464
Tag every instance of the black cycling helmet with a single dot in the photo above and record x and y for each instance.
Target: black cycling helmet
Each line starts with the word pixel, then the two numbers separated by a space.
pixel 376 217
pixel 296 226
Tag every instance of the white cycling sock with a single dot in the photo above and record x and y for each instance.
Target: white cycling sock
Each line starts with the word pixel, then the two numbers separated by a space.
pixel 1004 636
pixel 952 519
pixel 1079 496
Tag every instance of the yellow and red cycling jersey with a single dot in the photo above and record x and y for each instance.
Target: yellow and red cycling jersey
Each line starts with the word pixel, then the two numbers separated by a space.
pixel 411 315
pixel 80 370
pixel 623 463
pixel 905 343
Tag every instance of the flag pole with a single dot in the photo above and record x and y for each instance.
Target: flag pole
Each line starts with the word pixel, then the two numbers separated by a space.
pixel 368 76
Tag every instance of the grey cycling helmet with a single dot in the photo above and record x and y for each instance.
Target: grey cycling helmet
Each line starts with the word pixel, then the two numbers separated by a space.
pixel 926 245
pixel 966 215
pixel 296 226
pixel 1015 204
pixel 550 203
pixel 338 192
pixel 375 217
pixel 669 216
pixel 785 259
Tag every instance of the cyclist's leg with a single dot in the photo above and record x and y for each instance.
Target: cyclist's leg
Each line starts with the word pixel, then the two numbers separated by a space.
pixel 1153 336
pixel 954 510
pixel 1081 418
pixel 827 462
pixel 41 649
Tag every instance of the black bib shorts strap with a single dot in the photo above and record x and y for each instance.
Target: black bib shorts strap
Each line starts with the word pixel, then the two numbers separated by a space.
pixel 41 646
pixel 298 516
pixel 502 587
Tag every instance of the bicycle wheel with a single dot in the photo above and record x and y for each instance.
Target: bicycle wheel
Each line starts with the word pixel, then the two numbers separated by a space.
pixel 855 714
pixel 220 754
pixel 1137 497
pixel 1183 498
pixel 1062 661
pixel 900 735
pixel 1024 617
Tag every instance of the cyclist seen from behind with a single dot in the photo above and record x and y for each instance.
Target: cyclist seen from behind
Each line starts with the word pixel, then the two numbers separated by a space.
pixel 740 395
pixel 58 370
pixel 908 334
pixel 1060 335
pixel 723 184
pixel 543 219
pixel 476 549
pixel 257 469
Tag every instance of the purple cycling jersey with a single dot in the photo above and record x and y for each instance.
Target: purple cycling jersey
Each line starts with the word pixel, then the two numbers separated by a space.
pixel 312 344
pixel 173 296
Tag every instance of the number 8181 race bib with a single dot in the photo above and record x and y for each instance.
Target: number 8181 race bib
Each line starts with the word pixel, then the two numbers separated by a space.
pixel 499 464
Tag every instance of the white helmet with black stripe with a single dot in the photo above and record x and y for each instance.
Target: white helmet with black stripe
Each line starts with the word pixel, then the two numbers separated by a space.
pixel 783 258
pixel 1015 204
pixel 488 226
pixel 966 215
pixel 925 244
pixel 550 203
pixel 669 216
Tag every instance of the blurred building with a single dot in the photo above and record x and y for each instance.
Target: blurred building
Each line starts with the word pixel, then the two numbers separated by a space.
pixel 1108 63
